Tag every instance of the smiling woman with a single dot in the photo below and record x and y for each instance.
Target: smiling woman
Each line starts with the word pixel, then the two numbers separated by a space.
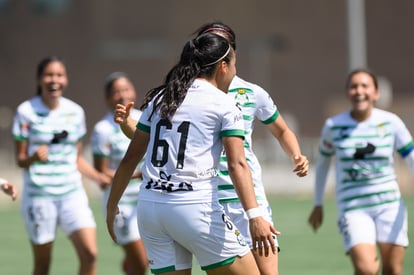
pixel 371 211
pixel 48 130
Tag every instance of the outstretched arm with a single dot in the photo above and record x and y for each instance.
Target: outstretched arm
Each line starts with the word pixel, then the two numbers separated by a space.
pixel 290 145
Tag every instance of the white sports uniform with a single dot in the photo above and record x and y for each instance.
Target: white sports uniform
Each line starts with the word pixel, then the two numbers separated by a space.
pixel 53 193
pixel 178 210
pixel 254 102
pixel 108 141
pixel 369 203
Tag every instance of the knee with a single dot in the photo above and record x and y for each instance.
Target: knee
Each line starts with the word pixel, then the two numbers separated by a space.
pixel 89 256
pixel 367 270
pixel 392 270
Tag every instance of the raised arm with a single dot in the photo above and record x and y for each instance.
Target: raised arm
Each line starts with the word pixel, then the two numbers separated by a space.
pixel 121 116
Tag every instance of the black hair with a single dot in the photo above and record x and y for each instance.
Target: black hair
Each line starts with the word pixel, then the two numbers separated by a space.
pixel 41 68
pixel 219 27
pixel 110 79
pixel 199 58
pixel 361 70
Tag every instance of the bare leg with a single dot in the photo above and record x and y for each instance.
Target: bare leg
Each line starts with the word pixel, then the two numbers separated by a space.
pixel 42 256
pixel 245 265
pixel 364 259
pixel 136 257
pixel 268 265
pixel 392 257
pixel 84 241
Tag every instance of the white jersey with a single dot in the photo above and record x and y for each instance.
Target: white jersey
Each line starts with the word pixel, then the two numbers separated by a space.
pixel 254 102
pixel 60 129
pixel 108 141
pixel 365 176
pixel 183 154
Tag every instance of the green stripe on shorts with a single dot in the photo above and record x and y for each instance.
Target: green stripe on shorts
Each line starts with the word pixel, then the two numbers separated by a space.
pixel 223 263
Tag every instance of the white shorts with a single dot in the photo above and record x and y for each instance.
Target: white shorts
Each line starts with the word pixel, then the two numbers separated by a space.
pixel 237 214
pixel 172 233
pixel 125 224
pixel 383 224
pixel 43 215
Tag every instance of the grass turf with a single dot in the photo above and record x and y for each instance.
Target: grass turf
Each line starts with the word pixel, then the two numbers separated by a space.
pixel 302 251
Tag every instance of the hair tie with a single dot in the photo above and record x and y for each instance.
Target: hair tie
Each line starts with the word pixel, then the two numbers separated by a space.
pixel 214 62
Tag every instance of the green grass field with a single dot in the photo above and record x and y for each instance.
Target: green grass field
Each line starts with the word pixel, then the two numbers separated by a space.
pixel 303 252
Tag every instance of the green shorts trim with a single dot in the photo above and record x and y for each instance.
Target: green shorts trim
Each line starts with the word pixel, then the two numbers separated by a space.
pixel 225 262
pixel 162 270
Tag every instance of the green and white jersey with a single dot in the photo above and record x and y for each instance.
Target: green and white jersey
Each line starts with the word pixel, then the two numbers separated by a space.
pixel 254 102
pixel 60 129
pixel 108 141
pixel 183 152
pixel 365 175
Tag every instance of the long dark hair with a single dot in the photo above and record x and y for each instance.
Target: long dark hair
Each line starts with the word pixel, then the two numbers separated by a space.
pixel 41 68
pixel 199 58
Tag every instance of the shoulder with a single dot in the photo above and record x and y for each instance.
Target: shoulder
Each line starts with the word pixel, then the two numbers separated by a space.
pixel 384 114
pixel 70 104
pixel 28 104
pixel 338 119
pixel 385 117
pixel 135 114
pixel 239 83
pixel 104 125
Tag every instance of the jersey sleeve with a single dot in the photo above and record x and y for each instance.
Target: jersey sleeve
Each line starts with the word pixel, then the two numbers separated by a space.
pixel 404 142
pixel 326 146
pixel 144 122
pixel 101 146
pixel 326 150
pixel 232 122
pixel 403 139
pixel 20 127
pixel 82 125
pixel 267 111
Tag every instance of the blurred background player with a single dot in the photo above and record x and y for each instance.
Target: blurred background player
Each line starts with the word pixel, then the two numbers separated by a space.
pixel 371 211
pixel 109 145
pixel 48 130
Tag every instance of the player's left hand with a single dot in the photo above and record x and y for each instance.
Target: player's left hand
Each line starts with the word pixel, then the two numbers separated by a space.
pixel 262 236
pixel 301 165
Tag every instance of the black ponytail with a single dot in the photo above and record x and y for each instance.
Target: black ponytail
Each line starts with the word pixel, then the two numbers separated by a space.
pixel 199 58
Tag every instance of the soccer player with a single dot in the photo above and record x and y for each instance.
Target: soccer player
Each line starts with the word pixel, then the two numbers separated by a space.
pixel 254 102
pixel 371 212
pixel 183 128
pixel 48 130
pixel 109 145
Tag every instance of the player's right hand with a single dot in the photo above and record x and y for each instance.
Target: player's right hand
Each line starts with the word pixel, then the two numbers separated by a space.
pixel 316 218
pixel 121 112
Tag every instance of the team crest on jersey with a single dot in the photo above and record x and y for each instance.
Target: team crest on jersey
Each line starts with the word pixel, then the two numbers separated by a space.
pixel 240 238
pixel 241 97
pixel 381 130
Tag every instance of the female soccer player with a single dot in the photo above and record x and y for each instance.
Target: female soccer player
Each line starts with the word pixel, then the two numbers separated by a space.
pixel 48 130
pixel 371 211
pixel 184 125
pixel 109 145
